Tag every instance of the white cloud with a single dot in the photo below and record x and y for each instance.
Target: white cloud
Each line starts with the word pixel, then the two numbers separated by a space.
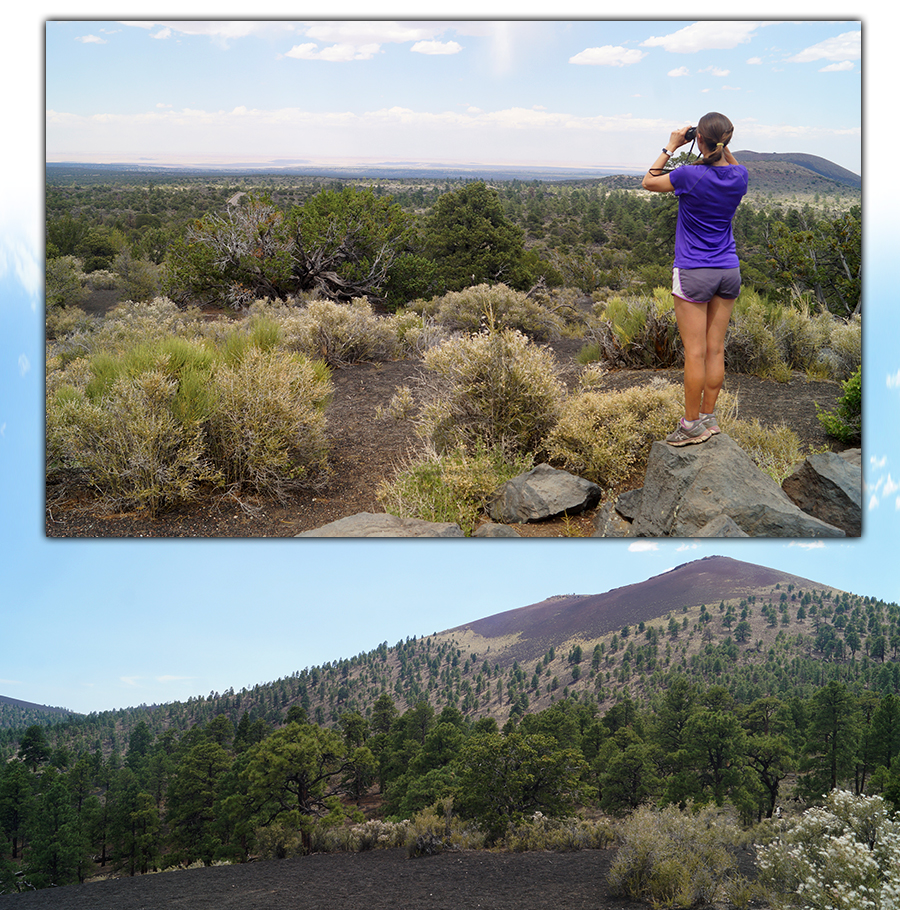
pixel 162 34
pixel 91 39
pixel 436 47
pixel 878 462
pixel 754 61
pixel 844 67
pixel 847 46
pixel 24 365
pixel 893 381
pixel 681 71
pixel 337 53
pixel 687 546
pixel 373 32
pixel 715 71
pixel 608 55
pixel 643 546
pixel 808 545
pixel 702 36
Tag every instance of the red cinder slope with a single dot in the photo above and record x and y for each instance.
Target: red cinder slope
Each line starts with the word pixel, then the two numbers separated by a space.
pixel 705 581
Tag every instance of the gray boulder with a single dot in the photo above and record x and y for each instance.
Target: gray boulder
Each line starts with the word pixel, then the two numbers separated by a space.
pixel 610 522
pixel 373 524
pixel 829 486
pixel 543 492
pixel 721 526
pixel 686 487
pixel 491 530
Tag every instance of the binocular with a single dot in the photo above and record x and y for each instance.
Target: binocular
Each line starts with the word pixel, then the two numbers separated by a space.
pixel 691 134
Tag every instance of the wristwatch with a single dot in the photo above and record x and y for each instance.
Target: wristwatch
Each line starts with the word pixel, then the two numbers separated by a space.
pixel 667 152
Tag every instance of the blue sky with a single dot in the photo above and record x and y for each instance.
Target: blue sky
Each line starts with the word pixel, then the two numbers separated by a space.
pixel 95 625
pixel 576 93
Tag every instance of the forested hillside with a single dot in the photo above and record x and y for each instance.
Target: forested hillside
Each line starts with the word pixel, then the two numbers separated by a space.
pixel 588 234
pixel 779 695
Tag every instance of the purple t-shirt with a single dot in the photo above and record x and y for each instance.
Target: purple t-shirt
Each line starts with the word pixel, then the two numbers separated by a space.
pixel 708 197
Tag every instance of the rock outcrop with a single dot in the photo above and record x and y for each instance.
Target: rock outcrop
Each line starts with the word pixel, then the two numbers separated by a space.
pixel 715 490
pixel 829 486
pixel 708 490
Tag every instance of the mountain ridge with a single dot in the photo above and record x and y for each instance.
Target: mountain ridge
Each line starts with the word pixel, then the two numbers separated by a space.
pixel 553 621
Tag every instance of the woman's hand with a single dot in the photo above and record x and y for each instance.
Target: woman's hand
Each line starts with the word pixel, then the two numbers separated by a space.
pixel 677 139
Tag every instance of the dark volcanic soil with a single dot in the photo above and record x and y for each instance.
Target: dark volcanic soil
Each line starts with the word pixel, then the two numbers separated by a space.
pixel 374 880
pixel 366 451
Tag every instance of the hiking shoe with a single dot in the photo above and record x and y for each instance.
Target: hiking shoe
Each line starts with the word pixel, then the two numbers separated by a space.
pixel 711 424
pixel 684 435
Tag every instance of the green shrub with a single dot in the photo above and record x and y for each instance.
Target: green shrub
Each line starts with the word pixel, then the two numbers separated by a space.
pixel 845 421
pixel 65 282
pixel 438 828
pixel 266 427
pixel 606 437
pixel 494 306
pixel 495 389
pixel 675 858
pixel 129 443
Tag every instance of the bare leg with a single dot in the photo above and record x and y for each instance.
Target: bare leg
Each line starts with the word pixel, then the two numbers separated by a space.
pixel 702 327
pixel 718 315
pixel 691 318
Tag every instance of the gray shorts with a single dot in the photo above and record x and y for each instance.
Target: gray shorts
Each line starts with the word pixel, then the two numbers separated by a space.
pixel 701 285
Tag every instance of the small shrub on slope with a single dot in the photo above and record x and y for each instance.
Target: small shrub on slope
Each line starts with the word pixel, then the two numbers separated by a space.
pixel 675 858
pixel 496 389
pixel 494 305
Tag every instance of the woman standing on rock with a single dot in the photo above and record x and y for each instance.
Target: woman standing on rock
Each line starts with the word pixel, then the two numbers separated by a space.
pixel 706 274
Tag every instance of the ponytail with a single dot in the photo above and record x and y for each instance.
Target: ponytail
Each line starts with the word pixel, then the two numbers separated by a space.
pixel 715 128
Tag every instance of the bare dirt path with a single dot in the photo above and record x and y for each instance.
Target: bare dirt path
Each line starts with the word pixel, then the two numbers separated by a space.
pixel 374 880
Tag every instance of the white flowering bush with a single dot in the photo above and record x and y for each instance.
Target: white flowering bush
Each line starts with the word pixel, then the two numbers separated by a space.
pixel 844 855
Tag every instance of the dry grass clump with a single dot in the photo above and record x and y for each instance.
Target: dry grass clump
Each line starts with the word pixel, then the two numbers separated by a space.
pixel 128 442
pixel 453 486
pixel 493 305
pixel 775 450
pixel 634 332
pixel 675 858
pixel 338 333
pixel 438 828
pixel 266 427
pixel 763 340
pixel 541 832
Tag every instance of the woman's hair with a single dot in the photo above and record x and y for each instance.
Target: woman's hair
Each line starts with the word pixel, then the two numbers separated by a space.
pixel 716 130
